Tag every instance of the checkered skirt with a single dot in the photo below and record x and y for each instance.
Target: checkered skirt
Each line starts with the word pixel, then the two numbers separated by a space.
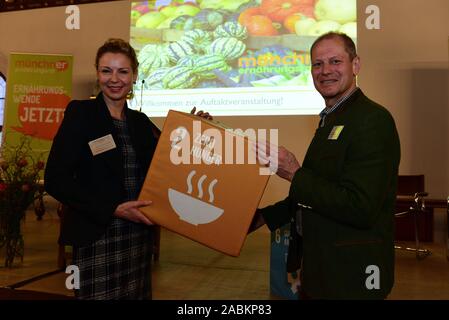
pixel 118 265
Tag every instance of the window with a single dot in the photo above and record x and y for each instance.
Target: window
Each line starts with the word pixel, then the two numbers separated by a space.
pixel 2 102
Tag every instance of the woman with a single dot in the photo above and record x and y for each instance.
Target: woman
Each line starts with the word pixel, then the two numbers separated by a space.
pixel 96 168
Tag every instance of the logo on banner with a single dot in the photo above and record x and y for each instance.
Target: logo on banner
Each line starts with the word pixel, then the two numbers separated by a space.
pixel 41 66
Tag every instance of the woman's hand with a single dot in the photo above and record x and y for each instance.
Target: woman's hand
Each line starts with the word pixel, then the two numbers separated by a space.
pixel 130 211
pixel 202 114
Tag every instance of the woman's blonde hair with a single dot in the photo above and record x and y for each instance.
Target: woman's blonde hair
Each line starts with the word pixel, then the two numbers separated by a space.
pixel 115 45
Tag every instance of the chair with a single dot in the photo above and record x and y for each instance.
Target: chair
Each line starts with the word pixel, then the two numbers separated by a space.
pixel 411 204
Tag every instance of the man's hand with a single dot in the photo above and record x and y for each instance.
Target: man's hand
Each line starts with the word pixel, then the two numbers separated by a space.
pixel 130 211
pixel 202 114
pixel 287 164
pixel 279 159
pixel 258 221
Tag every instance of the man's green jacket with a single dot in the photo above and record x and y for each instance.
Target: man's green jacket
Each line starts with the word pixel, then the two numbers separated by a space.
pixel 346 190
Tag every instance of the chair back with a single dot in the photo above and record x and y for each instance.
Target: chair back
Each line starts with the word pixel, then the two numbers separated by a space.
pixel 408 185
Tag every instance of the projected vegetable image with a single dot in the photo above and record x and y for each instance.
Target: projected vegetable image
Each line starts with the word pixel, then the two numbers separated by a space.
pixel 218 44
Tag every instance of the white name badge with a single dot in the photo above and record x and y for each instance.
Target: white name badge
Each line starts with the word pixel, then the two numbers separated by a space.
pixel 102 144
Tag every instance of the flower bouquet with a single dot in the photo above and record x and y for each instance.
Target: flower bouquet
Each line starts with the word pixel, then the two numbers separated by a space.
pixel 19 187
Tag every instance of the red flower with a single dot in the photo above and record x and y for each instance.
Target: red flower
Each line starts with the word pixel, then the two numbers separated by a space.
pixel 3 187
pixel 40 165
pixel 22 163
pixel 26 188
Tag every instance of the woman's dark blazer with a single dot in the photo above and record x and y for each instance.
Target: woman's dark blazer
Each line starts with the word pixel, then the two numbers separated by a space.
pixel 91 187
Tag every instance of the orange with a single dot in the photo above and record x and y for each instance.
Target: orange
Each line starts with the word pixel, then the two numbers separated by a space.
pixel 290 21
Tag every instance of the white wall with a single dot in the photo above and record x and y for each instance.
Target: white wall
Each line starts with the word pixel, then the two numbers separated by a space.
pixel 405 68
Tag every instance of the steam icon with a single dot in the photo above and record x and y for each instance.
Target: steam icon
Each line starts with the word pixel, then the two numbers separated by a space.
pixel 191 209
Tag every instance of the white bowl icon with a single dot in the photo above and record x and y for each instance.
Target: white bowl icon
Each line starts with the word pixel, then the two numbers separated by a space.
pixel 192 210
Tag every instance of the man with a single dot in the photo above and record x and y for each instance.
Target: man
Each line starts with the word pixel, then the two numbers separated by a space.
pixel 341 199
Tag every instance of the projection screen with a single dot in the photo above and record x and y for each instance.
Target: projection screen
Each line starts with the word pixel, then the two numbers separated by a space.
pixel 231 57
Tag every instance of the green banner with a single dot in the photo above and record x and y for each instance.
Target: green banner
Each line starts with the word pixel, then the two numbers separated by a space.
pixel 38 89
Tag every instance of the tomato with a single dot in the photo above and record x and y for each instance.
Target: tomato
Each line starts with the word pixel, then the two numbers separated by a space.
pixel 279 10
pixel 261 26
pixel 246 15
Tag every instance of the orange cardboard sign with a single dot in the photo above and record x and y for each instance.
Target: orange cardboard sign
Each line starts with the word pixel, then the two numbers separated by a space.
pixel 204 182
